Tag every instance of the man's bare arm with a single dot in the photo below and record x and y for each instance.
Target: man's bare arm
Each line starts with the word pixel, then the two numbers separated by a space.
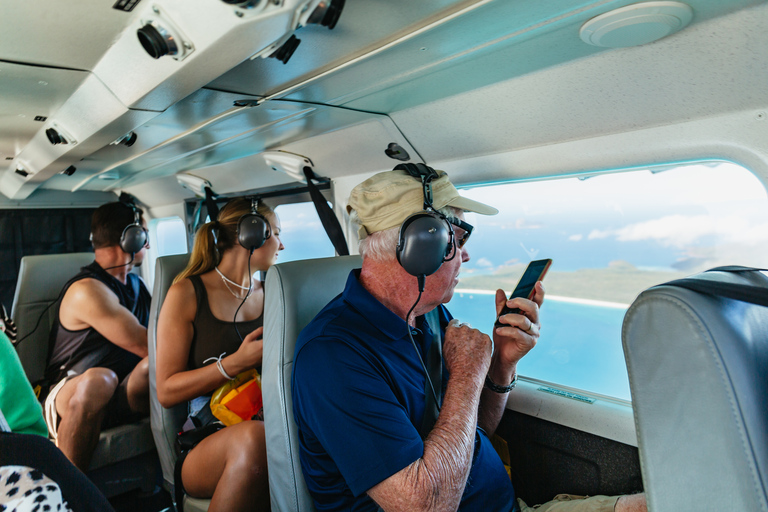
pixel 90 303
pixel 436 481
pixel 512 341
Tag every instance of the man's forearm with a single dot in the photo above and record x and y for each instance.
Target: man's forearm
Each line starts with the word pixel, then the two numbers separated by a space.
pixel 492 404
pixel 437 480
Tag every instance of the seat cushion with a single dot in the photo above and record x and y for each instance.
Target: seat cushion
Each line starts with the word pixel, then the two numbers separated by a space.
pixel 123 442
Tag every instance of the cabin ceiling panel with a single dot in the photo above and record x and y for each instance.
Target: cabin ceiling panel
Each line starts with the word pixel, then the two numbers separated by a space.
pixel 205 130
pixel 72 34
pixel 45 90
pixel 363 25
pixel 438 56
pixel 700 72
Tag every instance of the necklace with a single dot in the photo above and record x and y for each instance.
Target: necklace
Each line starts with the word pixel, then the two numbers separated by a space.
pixel 227 282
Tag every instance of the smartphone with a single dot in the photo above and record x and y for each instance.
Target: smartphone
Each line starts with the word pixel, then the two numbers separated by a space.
pixel 535 272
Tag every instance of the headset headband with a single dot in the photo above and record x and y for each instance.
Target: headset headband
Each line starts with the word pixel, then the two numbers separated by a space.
pixel 425 174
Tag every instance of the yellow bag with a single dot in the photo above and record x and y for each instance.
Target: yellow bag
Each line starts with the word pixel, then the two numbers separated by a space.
pixel 239 399
pixel 501 447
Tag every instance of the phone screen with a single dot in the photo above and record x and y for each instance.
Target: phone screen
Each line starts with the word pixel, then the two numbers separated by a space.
pixel 535 271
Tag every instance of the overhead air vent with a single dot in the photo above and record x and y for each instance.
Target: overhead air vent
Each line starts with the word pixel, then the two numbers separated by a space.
pixel 56 135
pixel 159 36
pixel 636 24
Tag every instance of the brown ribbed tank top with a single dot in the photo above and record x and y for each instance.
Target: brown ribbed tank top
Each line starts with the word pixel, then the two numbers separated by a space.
pixel 212 336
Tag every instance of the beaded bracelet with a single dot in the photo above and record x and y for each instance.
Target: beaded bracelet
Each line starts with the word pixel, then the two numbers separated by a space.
pixel 500 389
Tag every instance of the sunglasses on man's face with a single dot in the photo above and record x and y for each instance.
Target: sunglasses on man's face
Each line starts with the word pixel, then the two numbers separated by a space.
pixel 460 241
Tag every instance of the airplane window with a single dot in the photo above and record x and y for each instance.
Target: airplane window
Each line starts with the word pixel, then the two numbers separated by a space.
pixel 610 237
pixel 170 236
pixel 166 236
pixel 302 233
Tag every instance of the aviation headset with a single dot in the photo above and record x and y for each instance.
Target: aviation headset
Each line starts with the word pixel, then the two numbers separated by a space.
pixel 253 229
pixel 134 236
pixel 426 238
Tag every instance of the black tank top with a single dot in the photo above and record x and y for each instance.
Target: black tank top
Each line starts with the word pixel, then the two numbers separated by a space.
pixel 80 350
pixel 212 336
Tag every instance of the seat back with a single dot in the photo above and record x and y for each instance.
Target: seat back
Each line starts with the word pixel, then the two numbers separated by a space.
pixel 41 279
pixel 166 423
pixel 697 366
pixel 295 292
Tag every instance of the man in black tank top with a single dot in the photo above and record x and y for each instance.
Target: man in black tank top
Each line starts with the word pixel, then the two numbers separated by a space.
pixel 98 366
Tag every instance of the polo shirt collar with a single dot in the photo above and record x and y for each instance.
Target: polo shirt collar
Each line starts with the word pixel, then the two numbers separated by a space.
pixel 369 306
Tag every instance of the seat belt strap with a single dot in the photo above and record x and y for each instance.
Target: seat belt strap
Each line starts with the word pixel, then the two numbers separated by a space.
pixel 434 364
pixel 327 217
pixel 210 204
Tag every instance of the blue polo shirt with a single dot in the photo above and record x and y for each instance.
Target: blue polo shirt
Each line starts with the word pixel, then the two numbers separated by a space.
pixel 358 400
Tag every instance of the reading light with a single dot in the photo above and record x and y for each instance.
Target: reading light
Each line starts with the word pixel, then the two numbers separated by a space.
pixel 54 136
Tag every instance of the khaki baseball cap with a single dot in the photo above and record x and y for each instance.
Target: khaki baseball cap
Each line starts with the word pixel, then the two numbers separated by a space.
pixel 386 199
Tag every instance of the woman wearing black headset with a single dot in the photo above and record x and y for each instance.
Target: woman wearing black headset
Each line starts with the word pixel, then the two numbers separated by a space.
pixel 199 348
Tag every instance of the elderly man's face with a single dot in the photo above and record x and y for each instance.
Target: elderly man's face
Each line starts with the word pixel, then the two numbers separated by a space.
pixel 440 285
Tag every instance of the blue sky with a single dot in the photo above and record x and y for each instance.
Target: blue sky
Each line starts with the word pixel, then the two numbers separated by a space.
pixel 676 219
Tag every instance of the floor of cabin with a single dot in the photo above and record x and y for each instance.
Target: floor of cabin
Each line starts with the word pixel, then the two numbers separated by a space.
pixel 139 501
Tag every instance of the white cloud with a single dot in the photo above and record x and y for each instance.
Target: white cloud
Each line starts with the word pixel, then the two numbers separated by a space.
pixel 484 262
pixel 684 230
pixel 596 234
pixel 575 238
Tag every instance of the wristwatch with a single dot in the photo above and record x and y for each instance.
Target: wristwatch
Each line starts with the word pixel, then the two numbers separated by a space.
pixel 500 389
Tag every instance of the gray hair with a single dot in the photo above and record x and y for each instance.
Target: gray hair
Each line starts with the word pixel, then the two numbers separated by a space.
pixel 382 245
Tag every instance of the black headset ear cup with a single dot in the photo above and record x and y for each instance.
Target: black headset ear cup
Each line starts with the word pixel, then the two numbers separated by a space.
pixel 424 243
pixel 253 230
pixel 134 238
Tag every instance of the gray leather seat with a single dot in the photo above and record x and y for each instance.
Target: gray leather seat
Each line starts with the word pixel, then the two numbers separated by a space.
pixel 697 370
pixel 166 423
pixel 125 457
pixel 295 292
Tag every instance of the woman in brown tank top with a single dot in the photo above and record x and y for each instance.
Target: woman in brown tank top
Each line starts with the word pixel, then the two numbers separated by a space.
pixel 195 323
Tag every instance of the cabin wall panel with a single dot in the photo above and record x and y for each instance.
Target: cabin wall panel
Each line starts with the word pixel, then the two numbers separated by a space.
pixel 741 137
pixel 548 459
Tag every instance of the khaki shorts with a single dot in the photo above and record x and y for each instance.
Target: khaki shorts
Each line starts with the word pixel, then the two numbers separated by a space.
pixel 117 412
pixel 49 408
pixel 572 503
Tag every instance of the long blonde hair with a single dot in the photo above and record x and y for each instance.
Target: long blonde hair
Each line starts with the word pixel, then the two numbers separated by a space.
pixel 215 237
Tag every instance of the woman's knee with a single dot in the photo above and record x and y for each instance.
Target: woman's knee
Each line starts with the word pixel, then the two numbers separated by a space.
pixel 249 450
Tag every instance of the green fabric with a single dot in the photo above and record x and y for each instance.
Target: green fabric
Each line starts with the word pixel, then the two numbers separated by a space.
pixel 17 400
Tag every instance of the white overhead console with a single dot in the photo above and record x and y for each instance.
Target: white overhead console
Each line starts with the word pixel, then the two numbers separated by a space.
pixel 167 50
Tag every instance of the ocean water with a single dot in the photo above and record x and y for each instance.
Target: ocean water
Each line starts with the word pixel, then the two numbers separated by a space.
pixel 579 346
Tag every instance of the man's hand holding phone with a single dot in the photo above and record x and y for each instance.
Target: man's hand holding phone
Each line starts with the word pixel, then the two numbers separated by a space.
pixel 517 325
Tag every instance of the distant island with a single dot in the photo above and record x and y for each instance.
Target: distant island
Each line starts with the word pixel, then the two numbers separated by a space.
pixel 619 282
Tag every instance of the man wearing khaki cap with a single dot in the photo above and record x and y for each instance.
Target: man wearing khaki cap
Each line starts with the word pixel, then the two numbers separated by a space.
pixel 384 421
